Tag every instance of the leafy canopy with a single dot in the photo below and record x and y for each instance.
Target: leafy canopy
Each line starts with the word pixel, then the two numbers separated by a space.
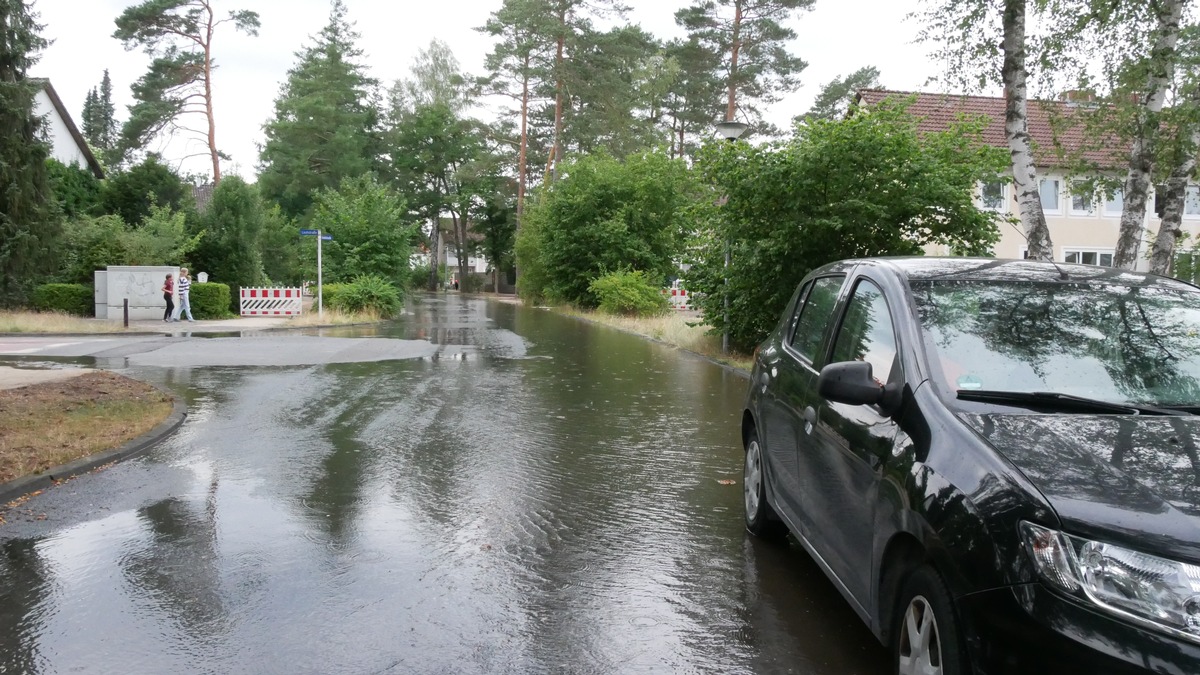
pixel 869 185
pixel 372 233
pixel 604 215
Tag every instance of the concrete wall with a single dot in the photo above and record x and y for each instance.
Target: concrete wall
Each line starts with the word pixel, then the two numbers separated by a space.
pixel 141 285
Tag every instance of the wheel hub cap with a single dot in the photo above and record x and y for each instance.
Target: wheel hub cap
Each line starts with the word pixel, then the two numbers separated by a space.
pixel 920 647
pixel 752 479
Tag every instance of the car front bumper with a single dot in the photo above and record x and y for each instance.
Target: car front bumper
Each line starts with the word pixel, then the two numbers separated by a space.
pixel 1029 629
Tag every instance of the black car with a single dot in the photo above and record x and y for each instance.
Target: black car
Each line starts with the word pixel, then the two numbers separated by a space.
pixel 996 462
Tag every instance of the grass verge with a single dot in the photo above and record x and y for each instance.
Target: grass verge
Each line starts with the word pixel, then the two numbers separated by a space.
pixel 54 322
pixel 333 317
pixel 46 425
pixel 679 329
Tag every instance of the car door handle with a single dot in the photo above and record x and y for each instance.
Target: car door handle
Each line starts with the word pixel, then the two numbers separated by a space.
pixel 810 418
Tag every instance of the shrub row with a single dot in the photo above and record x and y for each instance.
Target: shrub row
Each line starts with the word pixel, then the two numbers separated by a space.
pixel 74 299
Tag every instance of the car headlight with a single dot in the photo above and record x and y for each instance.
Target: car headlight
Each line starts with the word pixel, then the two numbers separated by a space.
pixel 1146 589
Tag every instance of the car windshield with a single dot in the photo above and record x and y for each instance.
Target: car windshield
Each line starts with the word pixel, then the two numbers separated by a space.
pixel 1122 343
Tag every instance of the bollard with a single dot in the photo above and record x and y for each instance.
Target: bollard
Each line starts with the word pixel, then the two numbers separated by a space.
pixel 127 312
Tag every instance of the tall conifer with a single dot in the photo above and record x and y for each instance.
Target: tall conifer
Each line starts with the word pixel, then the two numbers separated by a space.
pixel 29 222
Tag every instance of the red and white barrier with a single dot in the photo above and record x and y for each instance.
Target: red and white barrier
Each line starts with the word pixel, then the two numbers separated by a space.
pixel 271 302
pixel 678 298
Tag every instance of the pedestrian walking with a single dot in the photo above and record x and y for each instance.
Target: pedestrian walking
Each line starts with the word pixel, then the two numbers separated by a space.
pixel 168 290
pixel 185 303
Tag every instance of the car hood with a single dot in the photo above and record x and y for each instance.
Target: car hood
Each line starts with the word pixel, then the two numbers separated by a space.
pixel 1128 479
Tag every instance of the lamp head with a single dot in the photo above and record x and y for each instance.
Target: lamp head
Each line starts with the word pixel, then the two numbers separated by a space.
pixel 730 130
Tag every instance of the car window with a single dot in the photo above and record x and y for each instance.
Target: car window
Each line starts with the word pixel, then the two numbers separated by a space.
pixel 814 316
pixel 866 333
pixel 1116 341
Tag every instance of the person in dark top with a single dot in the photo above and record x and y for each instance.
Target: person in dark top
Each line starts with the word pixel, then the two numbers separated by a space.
pixel 168 290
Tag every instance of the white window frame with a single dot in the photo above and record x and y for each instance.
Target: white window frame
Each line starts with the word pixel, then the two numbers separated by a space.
pixel 1003 197
pixel 1099 251
pixel 1191 189
pixel 1090 211
pixel 1117 213
pixel 1058 179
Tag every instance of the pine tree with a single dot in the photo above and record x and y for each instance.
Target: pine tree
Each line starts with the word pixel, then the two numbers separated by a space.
pixel 325 127
pixel 106 116
pixel 179 35
pixel 88 118
pixel 748 37
pixel 29 223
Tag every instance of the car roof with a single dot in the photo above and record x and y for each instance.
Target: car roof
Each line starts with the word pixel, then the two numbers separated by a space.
pixel 920 268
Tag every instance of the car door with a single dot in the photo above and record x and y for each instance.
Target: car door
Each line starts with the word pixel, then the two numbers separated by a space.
pixel 842 456
pixel 791 386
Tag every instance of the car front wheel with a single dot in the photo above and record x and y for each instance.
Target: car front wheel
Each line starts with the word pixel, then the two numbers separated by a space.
pixel 761 520
pixel 926 638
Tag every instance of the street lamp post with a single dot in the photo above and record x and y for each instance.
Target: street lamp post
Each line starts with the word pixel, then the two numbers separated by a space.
pixel 730 131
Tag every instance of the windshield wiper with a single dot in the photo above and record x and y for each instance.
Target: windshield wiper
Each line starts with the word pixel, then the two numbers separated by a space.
pixel 1063 402
pixel 1193 408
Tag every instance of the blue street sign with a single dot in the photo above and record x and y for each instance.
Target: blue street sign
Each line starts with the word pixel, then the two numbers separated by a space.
pixel 308 233
pixel 327 237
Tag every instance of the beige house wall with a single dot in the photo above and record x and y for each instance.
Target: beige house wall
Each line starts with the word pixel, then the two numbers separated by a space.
pixel 1076 231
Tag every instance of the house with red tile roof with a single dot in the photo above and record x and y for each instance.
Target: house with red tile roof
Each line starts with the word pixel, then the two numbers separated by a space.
pixel 1083 227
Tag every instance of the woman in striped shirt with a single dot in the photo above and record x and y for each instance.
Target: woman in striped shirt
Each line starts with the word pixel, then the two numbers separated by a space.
pixel 185 286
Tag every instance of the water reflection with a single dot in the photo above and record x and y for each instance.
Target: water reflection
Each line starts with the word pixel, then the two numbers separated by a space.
pixel 549 503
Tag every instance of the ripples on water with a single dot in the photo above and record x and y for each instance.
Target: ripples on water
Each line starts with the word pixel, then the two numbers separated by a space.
pixel 548 504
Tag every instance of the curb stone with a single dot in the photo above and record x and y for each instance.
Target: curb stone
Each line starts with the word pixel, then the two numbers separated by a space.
pixel 34 482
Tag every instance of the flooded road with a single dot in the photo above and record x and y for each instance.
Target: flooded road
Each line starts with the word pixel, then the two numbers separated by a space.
pixel 520 493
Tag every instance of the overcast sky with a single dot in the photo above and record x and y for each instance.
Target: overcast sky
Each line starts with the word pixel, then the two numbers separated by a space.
pixel 836 38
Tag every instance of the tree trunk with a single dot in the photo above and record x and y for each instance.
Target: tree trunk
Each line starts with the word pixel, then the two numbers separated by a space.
pixel 521 156
pixel 556 152
pixel 434 252
pixel 1162 254
pixel 1141 156
pixel 208 99
pixel 1016 130
pixel 735 48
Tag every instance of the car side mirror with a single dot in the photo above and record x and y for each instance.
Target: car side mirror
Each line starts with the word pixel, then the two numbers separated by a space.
pixel 849 382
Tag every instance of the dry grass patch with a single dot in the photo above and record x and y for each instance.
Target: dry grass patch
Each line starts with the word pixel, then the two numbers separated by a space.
pixel 679 329
pixel 333 317
pixel 46 425
pixel 54 322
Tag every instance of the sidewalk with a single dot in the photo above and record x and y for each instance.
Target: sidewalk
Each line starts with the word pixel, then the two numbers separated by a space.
pixel 213 326
pixel 12 378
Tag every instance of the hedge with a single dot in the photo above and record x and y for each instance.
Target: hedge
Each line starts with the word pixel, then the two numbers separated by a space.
pixel 210 301
pixel 70 298
pixel 329 294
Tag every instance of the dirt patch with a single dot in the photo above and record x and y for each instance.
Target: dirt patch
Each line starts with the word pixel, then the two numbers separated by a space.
pixel 49 424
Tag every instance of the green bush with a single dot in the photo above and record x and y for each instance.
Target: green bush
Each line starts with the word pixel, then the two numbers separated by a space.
pixel 329 293
pixel 472 283
pixel 210 301
pixel 368 294
pixel 70 298
pixel 418 277
pixel 629 293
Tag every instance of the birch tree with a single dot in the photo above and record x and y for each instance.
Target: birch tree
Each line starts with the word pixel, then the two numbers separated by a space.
pixel 967 33
pixel 179 35
pixel 1158 70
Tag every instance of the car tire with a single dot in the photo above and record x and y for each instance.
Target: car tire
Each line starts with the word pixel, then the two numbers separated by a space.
pixel 926 639
pixel 761 520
